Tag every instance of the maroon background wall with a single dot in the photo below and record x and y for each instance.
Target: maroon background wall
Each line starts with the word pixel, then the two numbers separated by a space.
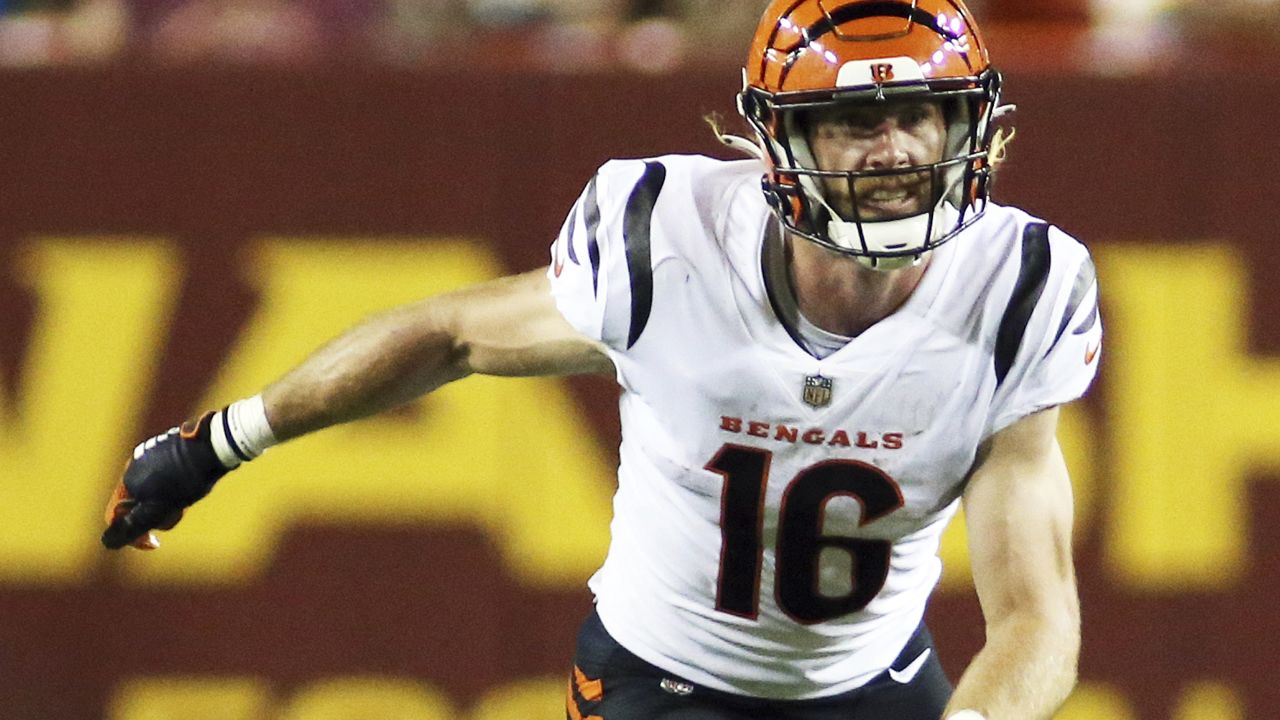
pixel 215 159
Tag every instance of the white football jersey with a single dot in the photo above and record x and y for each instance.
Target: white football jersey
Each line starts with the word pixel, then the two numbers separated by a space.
pixel 777 518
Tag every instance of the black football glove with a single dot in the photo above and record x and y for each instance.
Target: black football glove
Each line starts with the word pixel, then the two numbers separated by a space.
pixel 167 473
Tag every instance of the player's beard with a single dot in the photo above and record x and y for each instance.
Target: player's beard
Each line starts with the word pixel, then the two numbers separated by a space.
pixel 885 197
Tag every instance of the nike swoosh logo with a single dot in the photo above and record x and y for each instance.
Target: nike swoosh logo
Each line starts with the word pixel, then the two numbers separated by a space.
pixel 908 673
pixel 1090 354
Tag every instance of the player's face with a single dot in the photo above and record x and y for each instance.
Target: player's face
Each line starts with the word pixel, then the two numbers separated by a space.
pixel 883 136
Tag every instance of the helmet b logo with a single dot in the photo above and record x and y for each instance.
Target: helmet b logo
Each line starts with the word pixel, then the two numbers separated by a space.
pixel 882 73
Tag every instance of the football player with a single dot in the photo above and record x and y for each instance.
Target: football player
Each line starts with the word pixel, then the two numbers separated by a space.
pixel 814 378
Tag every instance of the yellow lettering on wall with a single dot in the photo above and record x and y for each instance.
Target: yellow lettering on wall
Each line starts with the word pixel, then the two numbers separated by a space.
pixel 103 310
pixel 341 698
pixel 1094 701
pixel 1079 447
pixel 397 698
pixel 511 456
pixel 191 698
pixel 1191 413
pixel 1209 701
pixel 358 698
pixel 540 698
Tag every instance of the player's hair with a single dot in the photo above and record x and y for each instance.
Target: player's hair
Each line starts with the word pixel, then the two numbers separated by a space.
pixel 1000 141
pixel 740 143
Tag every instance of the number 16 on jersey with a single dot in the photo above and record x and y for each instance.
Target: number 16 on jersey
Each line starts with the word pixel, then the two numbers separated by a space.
pixel 800 542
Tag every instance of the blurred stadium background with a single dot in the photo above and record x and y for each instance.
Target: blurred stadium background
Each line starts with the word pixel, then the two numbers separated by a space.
pixel 193 193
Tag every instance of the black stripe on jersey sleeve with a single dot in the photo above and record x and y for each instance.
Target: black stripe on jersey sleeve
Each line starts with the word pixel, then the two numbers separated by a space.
pixel 592 220
pixel 636 228
pixel 1032 277
pixel 573 231
pixel 1084 281
pixel 1088 322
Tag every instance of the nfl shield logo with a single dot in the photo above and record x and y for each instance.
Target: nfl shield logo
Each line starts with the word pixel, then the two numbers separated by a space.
pixel 817 391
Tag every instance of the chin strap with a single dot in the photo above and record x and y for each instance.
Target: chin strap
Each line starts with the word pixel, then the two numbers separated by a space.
pixel 885 236
pixel 885 264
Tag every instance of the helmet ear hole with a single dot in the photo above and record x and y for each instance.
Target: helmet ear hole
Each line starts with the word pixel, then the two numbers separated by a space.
pixel 772 196
pixel 751 107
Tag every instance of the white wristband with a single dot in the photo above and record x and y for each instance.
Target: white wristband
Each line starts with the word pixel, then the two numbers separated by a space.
pixel 241 432
pixel 966 715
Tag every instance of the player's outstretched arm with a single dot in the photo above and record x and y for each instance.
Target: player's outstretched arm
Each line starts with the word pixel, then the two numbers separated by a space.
pixel 506 327
pixel 1018 508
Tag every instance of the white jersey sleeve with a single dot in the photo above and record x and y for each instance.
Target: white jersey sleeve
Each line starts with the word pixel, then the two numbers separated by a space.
pixel 1050 335
pixel 601 267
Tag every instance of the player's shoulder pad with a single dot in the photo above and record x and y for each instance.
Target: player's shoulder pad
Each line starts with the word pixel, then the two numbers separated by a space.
pixel 633 215
pixel 679 188
pixel 1056 277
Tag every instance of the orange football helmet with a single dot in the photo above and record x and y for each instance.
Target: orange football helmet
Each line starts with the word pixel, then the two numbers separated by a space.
pixel 810 55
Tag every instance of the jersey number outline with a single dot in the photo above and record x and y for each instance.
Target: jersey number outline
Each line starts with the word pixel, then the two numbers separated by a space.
pixel 800 540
